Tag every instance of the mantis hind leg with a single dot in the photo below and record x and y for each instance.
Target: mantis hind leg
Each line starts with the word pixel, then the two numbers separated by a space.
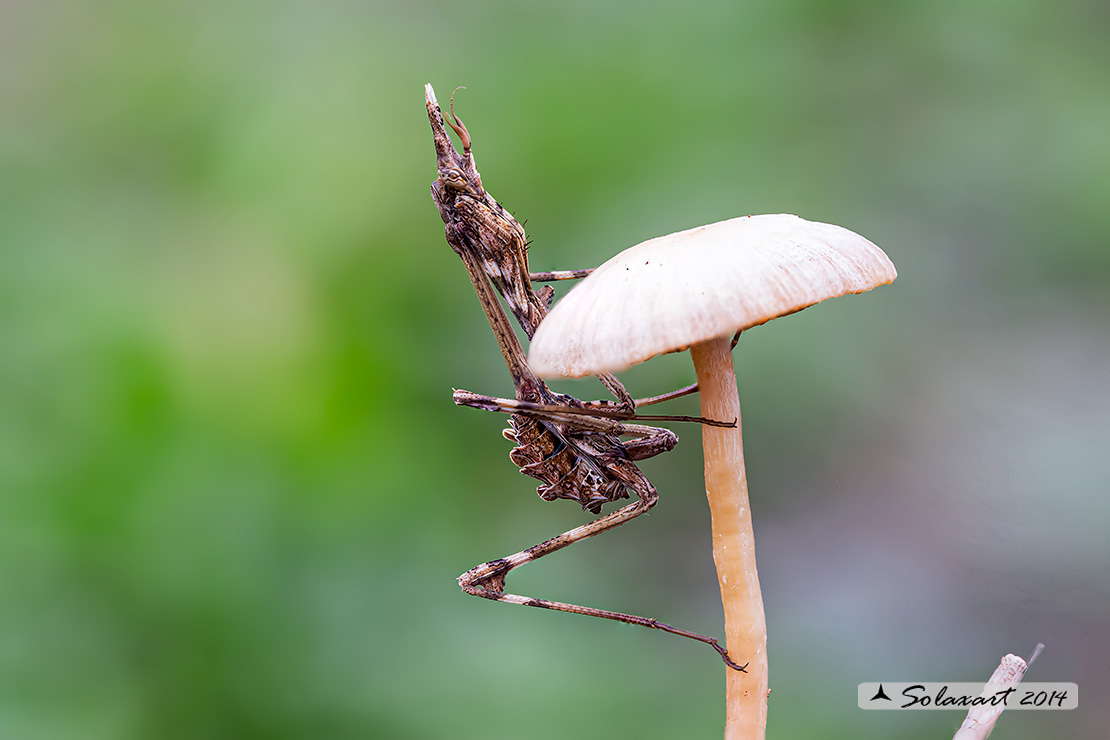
pixel 488 580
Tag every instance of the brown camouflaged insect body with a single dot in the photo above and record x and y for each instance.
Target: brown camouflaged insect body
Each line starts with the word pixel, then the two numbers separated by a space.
pixel 572 447
pixel 571 464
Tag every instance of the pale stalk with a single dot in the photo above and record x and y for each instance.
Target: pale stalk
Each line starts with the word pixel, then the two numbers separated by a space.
pixel 980 721
pixel 733 542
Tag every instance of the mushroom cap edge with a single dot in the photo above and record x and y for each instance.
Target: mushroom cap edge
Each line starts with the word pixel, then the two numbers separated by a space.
pixel 668 293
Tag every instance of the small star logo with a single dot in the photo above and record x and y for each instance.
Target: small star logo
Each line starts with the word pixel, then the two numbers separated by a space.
pixel 881 694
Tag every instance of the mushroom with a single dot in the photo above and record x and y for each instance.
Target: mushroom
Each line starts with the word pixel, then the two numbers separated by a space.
pixel 695 290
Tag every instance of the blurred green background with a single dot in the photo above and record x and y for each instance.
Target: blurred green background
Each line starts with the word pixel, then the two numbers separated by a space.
pixel 234 491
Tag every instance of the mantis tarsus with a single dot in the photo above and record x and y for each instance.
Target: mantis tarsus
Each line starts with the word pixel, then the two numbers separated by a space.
pixel 572 447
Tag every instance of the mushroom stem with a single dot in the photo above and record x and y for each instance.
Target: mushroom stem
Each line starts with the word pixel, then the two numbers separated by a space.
pixel 733 542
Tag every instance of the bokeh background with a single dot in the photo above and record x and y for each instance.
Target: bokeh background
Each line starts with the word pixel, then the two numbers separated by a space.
pixel 234 491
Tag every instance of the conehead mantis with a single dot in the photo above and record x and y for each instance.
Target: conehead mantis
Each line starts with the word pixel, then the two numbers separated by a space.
pixel 573 447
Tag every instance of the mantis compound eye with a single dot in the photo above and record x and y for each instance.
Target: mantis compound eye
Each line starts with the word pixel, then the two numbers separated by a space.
pixel 453 178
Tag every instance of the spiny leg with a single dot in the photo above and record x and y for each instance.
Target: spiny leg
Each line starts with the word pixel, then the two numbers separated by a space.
pixel 488 580
pixel 591 416
pixel 687 390
pixel 553 275
pixel 650 623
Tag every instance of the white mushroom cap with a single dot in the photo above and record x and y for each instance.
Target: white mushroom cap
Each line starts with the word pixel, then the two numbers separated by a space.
pixel 673 291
